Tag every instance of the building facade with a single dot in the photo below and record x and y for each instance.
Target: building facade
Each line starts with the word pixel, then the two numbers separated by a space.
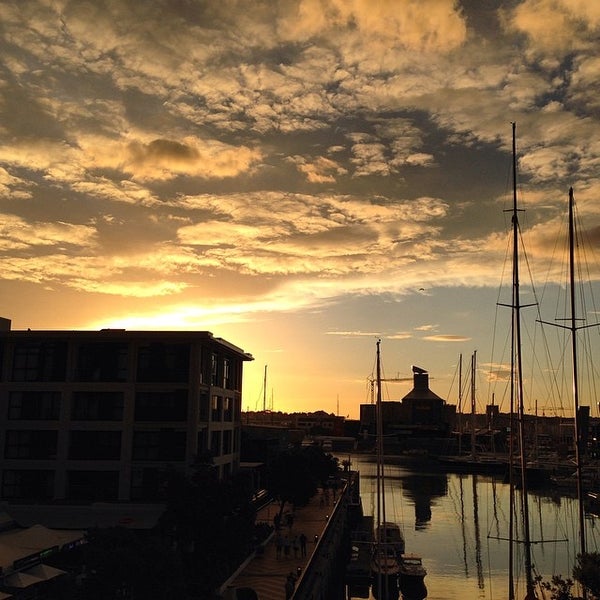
pixel 101 415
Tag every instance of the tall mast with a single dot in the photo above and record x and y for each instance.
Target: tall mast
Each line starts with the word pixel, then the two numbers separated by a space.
pixel 473 370
pixel 578 433
pixel 573 328
pixel 460 405
pixel 265 391
pixel 517 387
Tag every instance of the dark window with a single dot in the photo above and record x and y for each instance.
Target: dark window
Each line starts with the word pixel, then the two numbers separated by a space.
pixel 169 405
pixel 31 405
pixel 102 361
pixel 97 406
pixel 159 445
pixel 164 362
pixel 91 486
pixel 236 439
pixel 203 407
pixel 22 443
pixel 227 439
pixel 202 441
pixel 146 484
pixel 39 361
pixel 215 443
pixel 95 445
pixel 28 485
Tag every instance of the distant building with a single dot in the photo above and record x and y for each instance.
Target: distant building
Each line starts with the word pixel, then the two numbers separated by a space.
pixel 100 415
pixel 420 414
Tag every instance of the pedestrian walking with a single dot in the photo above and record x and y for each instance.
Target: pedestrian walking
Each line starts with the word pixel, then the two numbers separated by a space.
pixel 303 540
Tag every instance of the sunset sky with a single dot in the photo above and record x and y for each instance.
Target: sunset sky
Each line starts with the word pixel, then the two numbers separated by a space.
pixel 300 177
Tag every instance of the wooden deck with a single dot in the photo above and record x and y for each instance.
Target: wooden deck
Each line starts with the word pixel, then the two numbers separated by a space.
pixel 266 573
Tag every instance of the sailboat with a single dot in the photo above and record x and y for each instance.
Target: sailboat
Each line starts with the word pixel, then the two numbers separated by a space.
pixel 573 327
pixel 517 404
pixel 389 542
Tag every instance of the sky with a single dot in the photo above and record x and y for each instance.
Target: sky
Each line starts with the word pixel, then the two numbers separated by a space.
pixel 299 177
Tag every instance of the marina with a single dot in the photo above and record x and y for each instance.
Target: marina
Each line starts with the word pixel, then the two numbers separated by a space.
pixel 458 523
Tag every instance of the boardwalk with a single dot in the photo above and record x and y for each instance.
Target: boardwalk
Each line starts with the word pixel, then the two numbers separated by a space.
pixel 266 573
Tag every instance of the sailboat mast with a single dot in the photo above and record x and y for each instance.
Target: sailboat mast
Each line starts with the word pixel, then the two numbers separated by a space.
pixel 460 405
pixel 380 500
pixel 473 370
pixel 265 391
pixel 578 433
pixel 519 372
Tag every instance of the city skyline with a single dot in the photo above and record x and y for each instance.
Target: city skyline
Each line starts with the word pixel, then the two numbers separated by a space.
pixel 301 178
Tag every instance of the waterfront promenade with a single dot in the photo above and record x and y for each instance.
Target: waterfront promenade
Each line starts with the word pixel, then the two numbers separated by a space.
pixel 267 570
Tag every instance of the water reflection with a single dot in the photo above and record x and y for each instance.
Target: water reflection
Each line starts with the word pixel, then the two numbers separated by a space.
pixel 423 490
pixel 459 524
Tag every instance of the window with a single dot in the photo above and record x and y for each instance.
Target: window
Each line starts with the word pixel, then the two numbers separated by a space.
pixel 169 405
pixel 226 373
pixel 23 443
pixel 202 441
pixel 214 370
pixel 159 445
pixel 39 361
pixel 97 406
pixel 146 484
pixel 95 445
pixel 203 406
pixel 33 405
pixel 216 408
pixel 227 439
pixel 32 484
pixel 227 409
pixel 102 361
pixel 91 486
pixel 215 443
pixel 164 362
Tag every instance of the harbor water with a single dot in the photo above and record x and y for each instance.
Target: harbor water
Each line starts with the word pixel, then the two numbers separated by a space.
pixel 459 524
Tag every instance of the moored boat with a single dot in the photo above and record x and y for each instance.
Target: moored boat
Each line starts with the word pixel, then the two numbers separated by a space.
pixel 412 574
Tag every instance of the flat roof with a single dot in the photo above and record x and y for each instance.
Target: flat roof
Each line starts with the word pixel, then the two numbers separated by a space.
pixel 190 336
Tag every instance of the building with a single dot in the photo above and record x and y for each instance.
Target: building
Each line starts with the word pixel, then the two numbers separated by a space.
pixel 100 415
pixel 421 420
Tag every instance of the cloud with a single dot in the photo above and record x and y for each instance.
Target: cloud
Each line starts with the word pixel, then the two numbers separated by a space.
pixel 164 159
pixel 320 170
pixel 426 25
pixel 557 26
pixel 446 338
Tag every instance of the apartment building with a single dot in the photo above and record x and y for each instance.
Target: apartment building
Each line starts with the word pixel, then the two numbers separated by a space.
pixel 89 416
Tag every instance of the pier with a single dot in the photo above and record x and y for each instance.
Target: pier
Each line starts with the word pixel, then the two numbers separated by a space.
pixel 325 522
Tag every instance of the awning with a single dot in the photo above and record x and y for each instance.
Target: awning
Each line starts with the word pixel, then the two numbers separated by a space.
pixel 45 572
pixel 33 575
pixel 21 580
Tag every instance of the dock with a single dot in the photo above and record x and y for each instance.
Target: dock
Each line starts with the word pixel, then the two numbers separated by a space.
pixel 267 570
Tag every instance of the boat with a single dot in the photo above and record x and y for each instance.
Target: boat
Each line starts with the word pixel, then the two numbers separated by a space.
pixel 517 407
pixel 390 534
pixel 584 477
pixel 412 575
pixel 385 557
pixel 475 461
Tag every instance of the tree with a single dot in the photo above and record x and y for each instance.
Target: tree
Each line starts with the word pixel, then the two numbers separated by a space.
pixel 121 563
pixel 587 572
pixel 294 474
